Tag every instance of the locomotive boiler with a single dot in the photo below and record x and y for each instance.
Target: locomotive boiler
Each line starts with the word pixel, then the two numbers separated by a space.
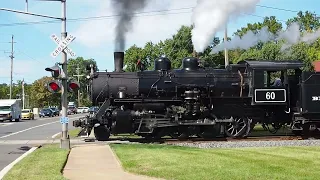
pixel 201 101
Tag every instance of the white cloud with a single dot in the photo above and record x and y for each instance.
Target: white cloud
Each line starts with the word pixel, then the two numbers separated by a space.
pixel 21 69
pixel 145 28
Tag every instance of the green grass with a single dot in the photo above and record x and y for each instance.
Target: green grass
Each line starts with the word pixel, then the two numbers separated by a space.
pixel 44 163
pixel 72 133
pixel 183 163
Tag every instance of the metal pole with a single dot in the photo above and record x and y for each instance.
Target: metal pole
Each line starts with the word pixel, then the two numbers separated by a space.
pixel 78 75
pixel 226 59
pixel 26 5
pixel 65 141
pixel 11 67
pixel 23 95
pixel 78 72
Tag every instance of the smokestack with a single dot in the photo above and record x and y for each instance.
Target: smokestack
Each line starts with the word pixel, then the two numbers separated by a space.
pixel 118 61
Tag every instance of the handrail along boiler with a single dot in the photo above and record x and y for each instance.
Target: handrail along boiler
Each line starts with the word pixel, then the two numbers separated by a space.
pixel 205 102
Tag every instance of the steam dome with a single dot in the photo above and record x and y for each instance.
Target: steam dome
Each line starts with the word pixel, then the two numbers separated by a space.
pixel 190 63
pixel 162 63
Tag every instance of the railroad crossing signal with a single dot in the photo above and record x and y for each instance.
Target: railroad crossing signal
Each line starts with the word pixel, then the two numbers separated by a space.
pixel 62 45
pixel 55 71
pixel 54 86
pixel 73 86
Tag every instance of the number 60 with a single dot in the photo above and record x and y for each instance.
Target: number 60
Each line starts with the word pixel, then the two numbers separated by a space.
pixel 270 95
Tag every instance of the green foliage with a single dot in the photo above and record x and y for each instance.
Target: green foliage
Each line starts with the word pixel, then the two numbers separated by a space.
pixel 40 96
pixel 82 64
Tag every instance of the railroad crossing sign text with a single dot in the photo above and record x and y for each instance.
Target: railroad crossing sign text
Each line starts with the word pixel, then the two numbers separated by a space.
pixel 62 45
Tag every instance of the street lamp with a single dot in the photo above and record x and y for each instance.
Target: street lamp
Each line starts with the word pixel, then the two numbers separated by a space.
pixel 65 141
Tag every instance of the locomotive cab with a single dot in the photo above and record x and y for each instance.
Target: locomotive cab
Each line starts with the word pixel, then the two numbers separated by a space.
pixel 273 82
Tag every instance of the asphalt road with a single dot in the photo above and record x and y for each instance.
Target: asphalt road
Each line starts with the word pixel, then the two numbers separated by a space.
pixel 38 129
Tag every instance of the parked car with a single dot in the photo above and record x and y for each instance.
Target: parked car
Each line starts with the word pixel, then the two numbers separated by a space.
pixel 46 112
pixel 82 109
pixel 55 111
pixel 93 109
pixel 27 114
pixel 73 110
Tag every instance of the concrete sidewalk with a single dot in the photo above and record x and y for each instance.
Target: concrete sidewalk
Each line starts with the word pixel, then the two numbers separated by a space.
pixel 94 162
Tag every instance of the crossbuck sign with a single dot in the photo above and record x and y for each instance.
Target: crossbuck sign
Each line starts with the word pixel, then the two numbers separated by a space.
pixel 62 45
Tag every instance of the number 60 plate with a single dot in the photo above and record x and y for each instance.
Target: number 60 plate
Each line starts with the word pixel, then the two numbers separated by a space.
pixel 270 95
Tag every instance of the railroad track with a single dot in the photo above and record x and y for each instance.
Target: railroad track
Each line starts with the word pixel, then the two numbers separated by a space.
pixel 201 140
pixel 256 138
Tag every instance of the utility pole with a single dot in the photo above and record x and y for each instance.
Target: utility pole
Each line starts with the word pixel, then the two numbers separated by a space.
pixel 11 66
pixel 78 75
pixel 26 5
pixel 23 95
pixel 226 59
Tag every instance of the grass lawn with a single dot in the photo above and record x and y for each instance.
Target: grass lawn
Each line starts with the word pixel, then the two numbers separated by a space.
pixel 72 133
pixel 172 162
pixel 44 163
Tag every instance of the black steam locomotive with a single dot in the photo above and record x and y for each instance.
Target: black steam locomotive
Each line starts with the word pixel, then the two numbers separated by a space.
pixel 203 101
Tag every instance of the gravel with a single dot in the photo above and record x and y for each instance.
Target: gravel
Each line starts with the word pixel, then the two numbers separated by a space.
pixel 241 144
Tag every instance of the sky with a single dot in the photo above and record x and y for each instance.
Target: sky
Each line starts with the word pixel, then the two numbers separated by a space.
pixel 95 37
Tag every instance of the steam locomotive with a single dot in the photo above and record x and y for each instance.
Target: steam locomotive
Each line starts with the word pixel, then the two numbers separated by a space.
pixel 203 101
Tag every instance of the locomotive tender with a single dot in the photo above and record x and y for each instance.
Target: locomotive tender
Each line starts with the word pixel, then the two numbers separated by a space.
pixel 205 102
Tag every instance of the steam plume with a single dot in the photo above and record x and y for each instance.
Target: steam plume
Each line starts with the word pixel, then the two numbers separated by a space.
pixel 212 16
pixel 246 41
pixel 291 36
pixel 125 8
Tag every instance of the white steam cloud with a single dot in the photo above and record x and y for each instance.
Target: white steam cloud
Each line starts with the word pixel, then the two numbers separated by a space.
pixel 246 41
pixel 212 16
pixel 291 35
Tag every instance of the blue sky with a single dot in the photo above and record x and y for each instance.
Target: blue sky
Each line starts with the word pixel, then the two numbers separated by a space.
pixel 95 37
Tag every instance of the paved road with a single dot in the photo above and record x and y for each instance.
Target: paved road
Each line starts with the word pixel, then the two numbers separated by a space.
pixel 38 129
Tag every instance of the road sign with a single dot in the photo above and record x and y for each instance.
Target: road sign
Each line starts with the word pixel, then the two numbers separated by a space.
pixel 67 49
pixel 62 45
pixel 64 120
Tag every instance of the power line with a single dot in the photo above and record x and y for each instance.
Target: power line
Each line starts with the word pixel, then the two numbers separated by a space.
pixel 146 13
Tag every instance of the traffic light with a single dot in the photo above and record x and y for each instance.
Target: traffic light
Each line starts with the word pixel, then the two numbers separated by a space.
pixel 54 86
pixel 73 86
pixel 55 71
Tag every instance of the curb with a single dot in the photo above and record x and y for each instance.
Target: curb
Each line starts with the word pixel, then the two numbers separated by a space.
pixel 55 135
pixel 5 170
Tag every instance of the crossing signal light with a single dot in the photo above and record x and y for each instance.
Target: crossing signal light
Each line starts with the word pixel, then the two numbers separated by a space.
pixel 54 86
pixel 73 86
pixel 55 71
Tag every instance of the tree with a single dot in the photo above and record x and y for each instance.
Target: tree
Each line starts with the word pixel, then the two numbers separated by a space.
pixel 308 21
pixel 271 22
pixel 40 96
pixel 82 64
